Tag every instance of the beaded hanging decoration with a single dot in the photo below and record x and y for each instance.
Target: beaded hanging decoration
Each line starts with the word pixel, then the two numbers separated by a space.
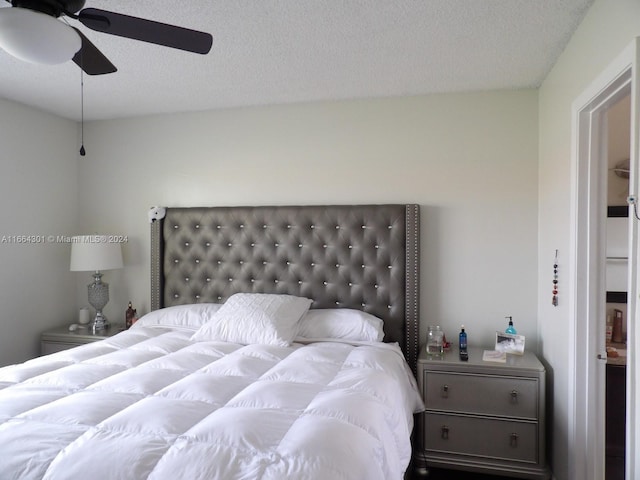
pixel 554 298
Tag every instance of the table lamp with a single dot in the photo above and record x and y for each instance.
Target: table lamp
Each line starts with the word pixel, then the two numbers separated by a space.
pixel 94 253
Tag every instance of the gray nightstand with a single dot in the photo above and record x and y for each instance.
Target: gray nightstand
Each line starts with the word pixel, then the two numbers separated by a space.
pixel 62 338
pixel 482 416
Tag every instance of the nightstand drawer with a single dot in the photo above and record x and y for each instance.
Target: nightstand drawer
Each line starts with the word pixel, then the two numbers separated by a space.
pixel 487 438
pixel 514 397
pixel 52 347
pixel 62 338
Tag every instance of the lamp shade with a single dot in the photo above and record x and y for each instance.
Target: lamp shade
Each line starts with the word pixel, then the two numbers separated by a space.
pixel 36 37
pixel 92 253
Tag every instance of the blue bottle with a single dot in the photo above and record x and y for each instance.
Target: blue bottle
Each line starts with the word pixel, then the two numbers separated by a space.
pixel 462 338
pixel 510 328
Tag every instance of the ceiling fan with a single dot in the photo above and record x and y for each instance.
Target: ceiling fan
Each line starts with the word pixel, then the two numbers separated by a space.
pixel 30 30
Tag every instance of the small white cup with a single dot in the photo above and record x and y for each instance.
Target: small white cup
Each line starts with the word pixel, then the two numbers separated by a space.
pixel 83 316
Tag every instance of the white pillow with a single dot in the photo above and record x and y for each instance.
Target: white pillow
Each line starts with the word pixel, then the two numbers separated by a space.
pixel 261 318
pixel 192 315
pixel 342 323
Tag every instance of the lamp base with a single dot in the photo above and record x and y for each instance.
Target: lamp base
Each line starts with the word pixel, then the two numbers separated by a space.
pixel 98 292
pixel 99 323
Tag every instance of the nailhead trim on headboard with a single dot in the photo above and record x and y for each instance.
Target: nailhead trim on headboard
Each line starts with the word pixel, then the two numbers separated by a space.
pixel 413 281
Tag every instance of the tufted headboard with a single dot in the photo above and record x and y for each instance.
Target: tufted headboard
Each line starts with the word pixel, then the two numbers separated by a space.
pixel 352 256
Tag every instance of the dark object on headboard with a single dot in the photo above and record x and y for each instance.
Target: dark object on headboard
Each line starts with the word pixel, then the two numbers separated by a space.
pixel 342 256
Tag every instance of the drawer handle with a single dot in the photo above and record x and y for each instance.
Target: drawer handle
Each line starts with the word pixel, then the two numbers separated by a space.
pixel 514 440
pixel 444 432
pixel 445 391
pixel 514 396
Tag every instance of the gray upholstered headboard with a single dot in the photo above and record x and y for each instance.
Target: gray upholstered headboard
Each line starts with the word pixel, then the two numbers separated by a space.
pixel 352 256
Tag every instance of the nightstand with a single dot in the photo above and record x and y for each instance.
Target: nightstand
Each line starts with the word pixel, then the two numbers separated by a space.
pixel 483 417
pixel 62 338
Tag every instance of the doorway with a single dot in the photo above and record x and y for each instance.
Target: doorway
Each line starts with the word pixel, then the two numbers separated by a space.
pixel 618 136
pixel 588 265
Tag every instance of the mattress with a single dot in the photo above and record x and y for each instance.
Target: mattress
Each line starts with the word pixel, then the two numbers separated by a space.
pixel 152 403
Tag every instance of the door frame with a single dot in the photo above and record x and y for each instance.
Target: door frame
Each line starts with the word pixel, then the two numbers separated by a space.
pixel 587 354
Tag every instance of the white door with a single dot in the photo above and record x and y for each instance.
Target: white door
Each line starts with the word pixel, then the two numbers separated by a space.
pixel 587 266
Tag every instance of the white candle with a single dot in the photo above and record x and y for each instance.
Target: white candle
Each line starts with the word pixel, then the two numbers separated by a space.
pixel 83 316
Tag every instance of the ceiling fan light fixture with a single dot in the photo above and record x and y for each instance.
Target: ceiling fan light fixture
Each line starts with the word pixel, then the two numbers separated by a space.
pixel 36 37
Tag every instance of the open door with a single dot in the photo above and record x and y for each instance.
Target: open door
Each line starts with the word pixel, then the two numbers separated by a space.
pixel 588 272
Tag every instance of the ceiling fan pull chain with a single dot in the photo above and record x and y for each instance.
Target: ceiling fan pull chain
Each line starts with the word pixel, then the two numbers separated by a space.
pixel 82 150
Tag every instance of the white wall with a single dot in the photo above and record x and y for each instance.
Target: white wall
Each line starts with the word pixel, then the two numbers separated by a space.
pixel 606 30
pixel 38 192
pixel 470 160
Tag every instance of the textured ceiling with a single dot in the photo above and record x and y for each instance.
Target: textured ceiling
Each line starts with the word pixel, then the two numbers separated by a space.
pixel 282 51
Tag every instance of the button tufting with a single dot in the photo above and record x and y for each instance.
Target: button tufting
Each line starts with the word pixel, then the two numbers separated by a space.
pixel 186 244
pixel 176 261
pixel 186 279
pixel 197 297
pixel 231 279
pixel 197 226
pixel 275 281
pixel 218 227
pixel 175 295
pixel 208 279
pixel 207 244
pixel 197 261
pixel 175 226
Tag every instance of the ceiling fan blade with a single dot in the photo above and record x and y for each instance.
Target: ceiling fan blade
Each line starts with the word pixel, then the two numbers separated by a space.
pixel 146 30
pixel 91 60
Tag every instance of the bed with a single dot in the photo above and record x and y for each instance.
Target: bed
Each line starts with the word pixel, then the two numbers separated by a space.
pixel 261 358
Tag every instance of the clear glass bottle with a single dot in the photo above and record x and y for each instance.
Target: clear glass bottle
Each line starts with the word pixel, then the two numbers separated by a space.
pixel 435 341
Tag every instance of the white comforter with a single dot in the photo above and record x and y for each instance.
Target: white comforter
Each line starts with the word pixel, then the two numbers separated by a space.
pixel 151 403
